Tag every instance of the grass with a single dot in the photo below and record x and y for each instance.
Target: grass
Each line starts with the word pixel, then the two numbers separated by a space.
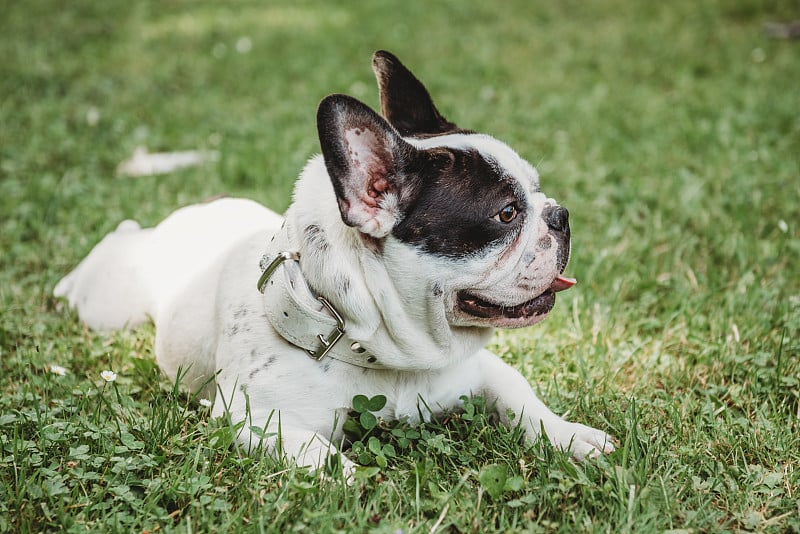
pixel 670 131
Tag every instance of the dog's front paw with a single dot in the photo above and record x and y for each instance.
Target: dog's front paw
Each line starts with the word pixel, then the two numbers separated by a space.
pixel 581 440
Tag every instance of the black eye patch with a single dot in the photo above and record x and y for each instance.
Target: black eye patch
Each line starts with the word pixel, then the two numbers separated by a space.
pixel 453 214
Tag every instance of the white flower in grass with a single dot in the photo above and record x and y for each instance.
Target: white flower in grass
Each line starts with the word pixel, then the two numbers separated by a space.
pixel 58 370
pixel 108 376
pixel 244 45
pixel 205 403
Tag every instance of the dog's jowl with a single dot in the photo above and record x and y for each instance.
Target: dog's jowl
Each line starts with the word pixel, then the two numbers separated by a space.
pixel 408 241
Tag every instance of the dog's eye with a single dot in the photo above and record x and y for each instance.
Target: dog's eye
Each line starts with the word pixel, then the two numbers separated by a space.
pixel 507 214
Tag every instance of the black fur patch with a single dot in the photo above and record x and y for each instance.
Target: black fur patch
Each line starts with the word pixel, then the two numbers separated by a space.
pixel 454 209
pixel 232 330
pixel 315 237
pixel 342 284
pixel 266 365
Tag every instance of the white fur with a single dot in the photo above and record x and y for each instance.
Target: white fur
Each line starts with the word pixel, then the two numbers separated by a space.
pixel 195 275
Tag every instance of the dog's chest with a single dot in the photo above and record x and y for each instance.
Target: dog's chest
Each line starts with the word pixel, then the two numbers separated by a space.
pixel 277 373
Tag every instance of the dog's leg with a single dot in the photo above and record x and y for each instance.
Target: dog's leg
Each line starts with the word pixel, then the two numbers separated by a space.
pixel 308 449
pixel 111 288
pixel 282 433
pixel 509 390
pixel 302 447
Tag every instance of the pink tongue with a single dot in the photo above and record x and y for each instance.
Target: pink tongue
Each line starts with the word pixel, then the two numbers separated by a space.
pixel 561 283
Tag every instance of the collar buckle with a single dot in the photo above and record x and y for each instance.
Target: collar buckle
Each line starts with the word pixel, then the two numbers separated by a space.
pixel 327 343
pixel 273 266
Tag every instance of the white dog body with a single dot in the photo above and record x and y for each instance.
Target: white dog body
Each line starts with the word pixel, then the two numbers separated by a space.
pixel 421 236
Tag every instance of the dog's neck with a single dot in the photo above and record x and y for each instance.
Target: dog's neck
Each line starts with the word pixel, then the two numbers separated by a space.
pixel 401 322
pixel 299 313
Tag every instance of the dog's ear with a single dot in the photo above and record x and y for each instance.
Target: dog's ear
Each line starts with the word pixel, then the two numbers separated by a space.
pixel 367 161
pixel 405 102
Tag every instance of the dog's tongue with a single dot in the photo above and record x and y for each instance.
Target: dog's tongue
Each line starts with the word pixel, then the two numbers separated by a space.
pixel 561 283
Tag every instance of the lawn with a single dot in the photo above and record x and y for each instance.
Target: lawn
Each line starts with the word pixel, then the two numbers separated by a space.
pixel 670 130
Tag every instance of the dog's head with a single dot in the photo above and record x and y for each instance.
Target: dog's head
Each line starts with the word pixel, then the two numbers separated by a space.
pixel 417 187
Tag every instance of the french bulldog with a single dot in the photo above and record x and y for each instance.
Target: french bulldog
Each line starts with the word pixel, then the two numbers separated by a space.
pixel 408 241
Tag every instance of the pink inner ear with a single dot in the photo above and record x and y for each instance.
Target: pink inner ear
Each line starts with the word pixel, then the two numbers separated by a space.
pixel 369 162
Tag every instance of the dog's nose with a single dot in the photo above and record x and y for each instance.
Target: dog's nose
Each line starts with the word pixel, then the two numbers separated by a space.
pixel 557 218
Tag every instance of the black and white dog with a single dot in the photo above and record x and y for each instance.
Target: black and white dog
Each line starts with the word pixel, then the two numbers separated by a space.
pixel 408 240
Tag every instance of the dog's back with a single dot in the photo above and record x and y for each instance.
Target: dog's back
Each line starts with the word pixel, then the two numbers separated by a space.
pixel 134 272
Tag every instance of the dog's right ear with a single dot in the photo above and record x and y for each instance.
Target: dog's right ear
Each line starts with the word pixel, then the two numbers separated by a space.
pixel 405 102
pixel 366 159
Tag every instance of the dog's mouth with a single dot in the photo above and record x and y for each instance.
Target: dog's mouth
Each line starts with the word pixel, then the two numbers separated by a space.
pixel 524 314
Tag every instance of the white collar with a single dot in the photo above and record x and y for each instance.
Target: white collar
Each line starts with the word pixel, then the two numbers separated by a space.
pixel 299 315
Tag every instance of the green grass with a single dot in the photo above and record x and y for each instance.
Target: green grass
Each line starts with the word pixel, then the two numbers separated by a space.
pixel 671 132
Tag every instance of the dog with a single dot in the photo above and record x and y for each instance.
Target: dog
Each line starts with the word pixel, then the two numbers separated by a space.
pixel 408 241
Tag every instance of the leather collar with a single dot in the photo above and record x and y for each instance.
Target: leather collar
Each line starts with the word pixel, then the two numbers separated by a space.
pixel 302 317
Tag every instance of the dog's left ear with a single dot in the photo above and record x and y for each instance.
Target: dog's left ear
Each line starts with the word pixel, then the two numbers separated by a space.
pixel 367 161
pixel 405 102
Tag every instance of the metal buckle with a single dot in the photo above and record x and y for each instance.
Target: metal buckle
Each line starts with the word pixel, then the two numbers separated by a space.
pixel 327 343
pixel 270 269
pixel 336 334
